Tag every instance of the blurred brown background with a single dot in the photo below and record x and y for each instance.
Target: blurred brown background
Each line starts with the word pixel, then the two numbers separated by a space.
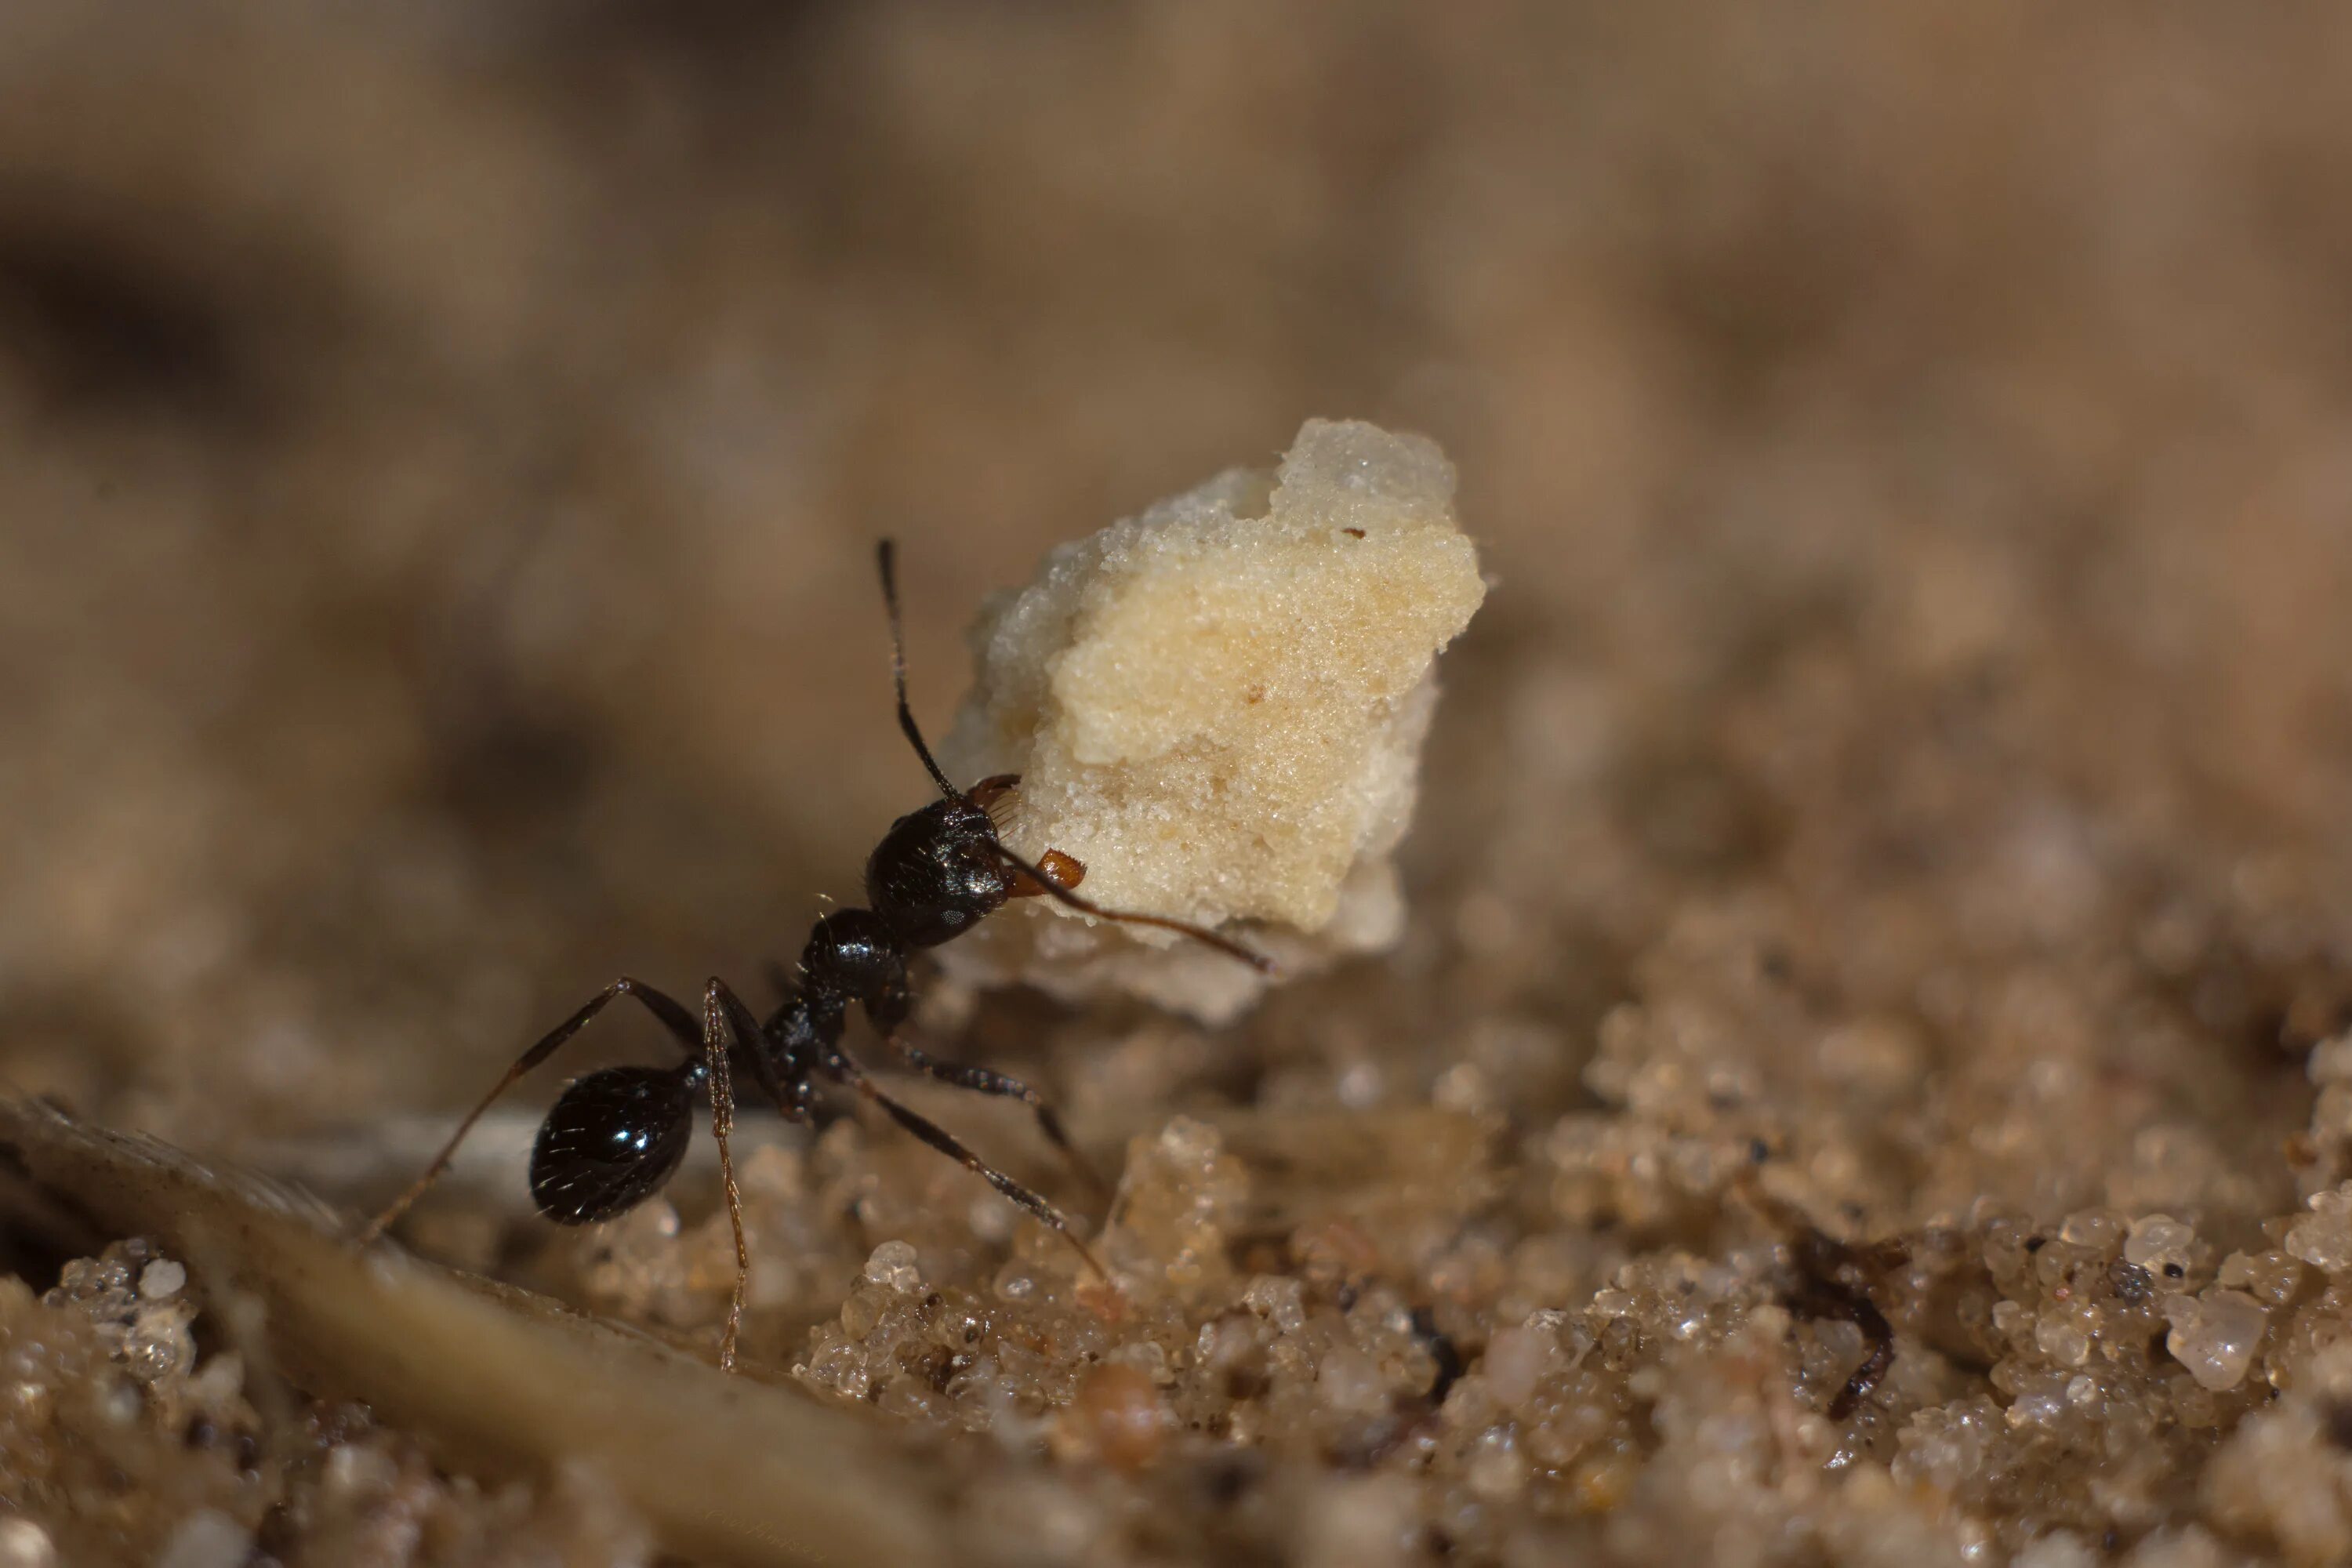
pixel 440 447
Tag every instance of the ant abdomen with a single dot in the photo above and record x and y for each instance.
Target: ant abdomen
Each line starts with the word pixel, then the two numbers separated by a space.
pixel 612 1139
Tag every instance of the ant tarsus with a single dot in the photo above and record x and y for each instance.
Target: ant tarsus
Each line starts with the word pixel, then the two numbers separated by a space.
pixel 1831 1285
pixel 616 1137
pixel 1831 1280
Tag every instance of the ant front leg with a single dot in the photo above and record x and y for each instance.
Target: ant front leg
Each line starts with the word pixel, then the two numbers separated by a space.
pixel 1054 877
pixel 673 1017
pixel 838 1066
pixel 982 1080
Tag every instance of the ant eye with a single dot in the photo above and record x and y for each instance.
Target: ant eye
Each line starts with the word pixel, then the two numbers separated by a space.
pixel 610 1143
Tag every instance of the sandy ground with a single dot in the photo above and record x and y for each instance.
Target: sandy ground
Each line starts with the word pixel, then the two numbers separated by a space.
pixel 1885 840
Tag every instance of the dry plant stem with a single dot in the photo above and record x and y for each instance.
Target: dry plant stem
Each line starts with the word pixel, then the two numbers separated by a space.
pixel 502 1380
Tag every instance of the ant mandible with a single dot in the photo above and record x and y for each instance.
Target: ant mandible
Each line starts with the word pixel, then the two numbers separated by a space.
pixel 614 1137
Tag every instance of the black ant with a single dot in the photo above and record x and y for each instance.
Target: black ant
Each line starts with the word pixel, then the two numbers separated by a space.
pixel 614 1137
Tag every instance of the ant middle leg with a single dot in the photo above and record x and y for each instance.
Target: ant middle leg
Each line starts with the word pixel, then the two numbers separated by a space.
pixel 671 1016
pixel 982 1080
pixel 838 1066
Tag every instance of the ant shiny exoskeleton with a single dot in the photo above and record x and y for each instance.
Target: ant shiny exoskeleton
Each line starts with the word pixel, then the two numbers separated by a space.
pixel 614 1137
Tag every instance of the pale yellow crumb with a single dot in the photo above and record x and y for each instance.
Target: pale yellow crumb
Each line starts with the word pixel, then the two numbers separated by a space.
pixel 1218 707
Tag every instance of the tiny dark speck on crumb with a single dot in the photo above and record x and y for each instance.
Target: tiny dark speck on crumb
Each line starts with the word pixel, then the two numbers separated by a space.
pixel 1227 1479
pixel 2337 1413
pixel 2036 1243
pixel 1353 533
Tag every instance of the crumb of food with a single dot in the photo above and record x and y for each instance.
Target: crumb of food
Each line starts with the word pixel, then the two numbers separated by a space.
pixel 1217 707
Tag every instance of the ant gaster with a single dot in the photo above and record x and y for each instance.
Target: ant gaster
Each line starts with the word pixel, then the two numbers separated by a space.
pixel 614 1137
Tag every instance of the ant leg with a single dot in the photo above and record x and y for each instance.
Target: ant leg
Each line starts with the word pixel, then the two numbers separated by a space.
pixel 673 1017
pixel 1829 1287
pixel 982 1080
pixel 1053 888
pixel 1827 1300
pixel 841 1067
pixel 721 1031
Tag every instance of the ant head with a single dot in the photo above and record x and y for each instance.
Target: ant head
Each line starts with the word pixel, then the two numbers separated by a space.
pixel 610 1143
pixel 937 873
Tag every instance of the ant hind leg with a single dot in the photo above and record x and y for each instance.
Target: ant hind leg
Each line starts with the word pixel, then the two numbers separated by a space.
pixel 673 1017
pixel 719 1033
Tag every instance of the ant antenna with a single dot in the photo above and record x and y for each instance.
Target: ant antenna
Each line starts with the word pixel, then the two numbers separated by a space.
pixel 886 555
pixel 1086 905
